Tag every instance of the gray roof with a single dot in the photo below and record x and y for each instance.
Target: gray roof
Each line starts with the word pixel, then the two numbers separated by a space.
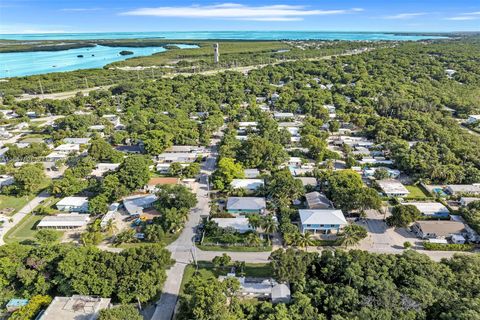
pixel 317 199
pixel 322 216
pixel 64 220
pixel 245 203
pixel 135 205
pixel 280 291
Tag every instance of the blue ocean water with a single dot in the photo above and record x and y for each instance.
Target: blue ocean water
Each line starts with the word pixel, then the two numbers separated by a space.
pixel 238 35
pixel 29 63
pixel 16 64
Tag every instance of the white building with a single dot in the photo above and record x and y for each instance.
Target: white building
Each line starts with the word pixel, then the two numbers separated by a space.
pixel 67 148
pixel 431 209
pixel 135 204
pixel 283 115
pixel 240 224
pixel 102 168
pixel 248 184
pixel 457 189
pixel 76 140
pixel 64 221
pixel 170 157
pixel 393 188
pixel 73 204
pixel 474 118
pixel 75 308
pixel 465 201
pixel 6 180
pixel 322 221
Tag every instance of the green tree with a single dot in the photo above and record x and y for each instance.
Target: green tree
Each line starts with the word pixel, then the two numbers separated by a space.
pixel 403 215
pixel 46 236
pixel 221 261
pixel 122 312
pixel 102 151
pixel 29 179
pixel 227 170
pixel 134 172
pixel 352 234
pixel 98 204
pixel 154 233
pixel 156 141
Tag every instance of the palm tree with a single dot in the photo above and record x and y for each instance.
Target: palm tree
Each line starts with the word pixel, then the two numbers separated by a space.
pixel 269 225
pixel 253 239
pixel 304 240
pixel 111 227
pixel 352 234
pixel 254 221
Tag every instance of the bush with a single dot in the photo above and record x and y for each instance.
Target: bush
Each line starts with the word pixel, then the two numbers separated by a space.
pixel 407 244
pixel 447 247
pixel 33 307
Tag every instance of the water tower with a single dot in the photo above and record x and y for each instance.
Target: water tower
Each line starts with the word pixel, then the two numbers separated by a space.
pixel 216 53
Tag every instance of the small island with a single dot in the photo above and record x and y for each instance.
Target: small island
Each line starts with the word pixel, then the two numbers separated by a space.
pixel 80 56
pixel 125 52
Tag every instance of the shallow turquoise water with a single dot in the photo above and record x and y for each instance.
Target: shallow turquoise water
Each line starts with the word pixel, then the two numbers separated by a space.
pixel 238 35
pixel 17 64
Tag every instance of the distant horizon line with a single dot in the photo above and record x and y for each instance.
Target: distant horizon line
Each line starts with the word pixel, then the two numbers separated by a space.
pixel 226 31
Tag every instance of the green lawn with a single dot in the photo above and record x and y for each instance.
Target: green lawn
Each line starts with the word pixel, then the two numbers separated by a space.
pixel 234 249
pixel 24 230
pixel 415 192
pixel 15 203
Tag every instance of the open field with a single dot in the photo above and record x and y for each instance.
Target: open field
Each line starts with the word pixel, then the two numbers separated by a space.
pixel 415 192
pixel 12 202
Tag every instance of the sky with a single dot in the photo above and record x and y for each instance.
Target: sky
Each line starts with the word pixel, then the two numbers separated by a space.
pixel 59 16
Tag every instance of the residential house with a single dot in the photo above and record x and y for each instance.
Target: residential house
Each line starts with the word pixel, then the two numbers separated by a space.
pixel 251 173
pixel 261 288
pixel 459 189
pixel 247 184
pixel 99 127
pixel 392 188
pixel 323 221
pixel 6 180
pixel 112 209
pixel 245 205
pixel 431 209
pixel 317 200
pixel 134 149
pixel 64 222
pixel 474 118
pixel 75 307
pixel 153 183
pixel 68 148
pixel 464 201
pixel 73 204
pixel 170 157
pixel 102 168
pixel 76 140
pixel 370 172
pixel 56 156
pixel 3 154
pixel 185 149
pixel 240 224
pixel 283 115
pixel 438 229
pixel 308 181
pixel 134 205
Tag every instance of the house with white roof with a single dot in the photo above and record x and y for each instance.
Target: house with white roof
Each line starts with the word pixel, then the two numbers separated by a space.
pixel 251 173
pixel 240 224
pixel 283 115
pixel 247 184
pixel 135 204
pixel 458 189
pixel 73 204
pixel 76 140
pixel 261 288
pixel 393 188
pixel 245 205
pixel 67 148
pixel 102 168
pixel 322 221
pixel 170 157
pixel 6 180
pixel 465 201
pixel 64 221
pixel 431 209
pixel 56 156
pixel 474 118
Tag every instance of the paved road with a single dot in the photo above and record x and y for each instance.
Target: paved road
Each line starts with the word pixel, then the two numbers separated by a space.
pixel 182 249
pixel 27 209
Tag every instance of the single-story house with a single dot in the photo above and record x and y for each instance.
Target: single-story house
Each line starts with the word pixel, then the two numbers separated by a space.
pixel 457 189
pixel 322 220
pixel 393 188
pixel 73 204
pixel 261 288
pixel 112 209
pixel 67 148
pixel 102 168
pixel 6 180
pixel 169 157
pixel 76 140
pixel 135 204
pixel 99 127
pixel 3 156
pixel 152 184
pixel 240 224
pixel 392 173
pixel 431 209
pixel 317 200
pixel 15 304
pixel 474 118
pixel 283 115
pixel 64 221
pixel 56 156
pixel 251 173
pixel 75 307
pixel 308 181
pixel 135 149
pixel 248 184
pixel 464 201
pixel 438 228
pixel 184 149
pixel 246 205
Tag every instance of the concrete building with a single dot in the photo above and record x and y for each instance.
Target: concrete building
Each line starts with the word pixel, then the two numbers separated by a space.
pixel 430 209
pixel 245 205
pixel 240 224
pixel 317 200
pixel 75 308
pixel 64 222
pixel 459 189
pixel 393 188
pixel 73 204
pixel 438 229
pixel 247 184
pixel 323 221
pixel 134 205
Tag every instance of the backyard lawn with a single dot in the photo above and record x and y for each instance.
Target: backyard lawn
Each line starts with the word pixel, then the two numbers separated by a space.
pixel 24 230
pixel 15 203
pixel 415 192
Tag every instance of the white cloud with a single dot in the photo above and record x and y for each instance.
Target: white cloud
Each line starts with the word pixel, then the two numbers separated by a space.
pixel 404 16
pixel 462 18
pixel 235 11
